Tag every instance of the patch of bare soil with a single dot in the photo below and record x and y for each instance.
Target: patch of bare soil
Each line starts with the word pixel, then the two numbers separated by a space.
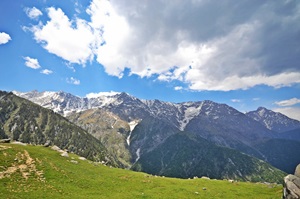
pixel 24 164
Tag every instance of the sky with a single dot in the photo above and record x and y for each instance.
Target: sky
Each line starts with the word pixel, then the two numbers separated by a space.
pixel 242 53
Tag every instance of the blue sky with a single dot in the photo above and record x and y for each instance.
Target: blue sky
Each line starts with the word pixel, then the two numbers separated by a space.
pixel 245 53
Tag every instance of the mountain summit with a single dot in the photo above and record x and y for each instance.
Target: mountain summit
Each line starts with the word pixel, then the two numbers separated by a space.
pixel 273 120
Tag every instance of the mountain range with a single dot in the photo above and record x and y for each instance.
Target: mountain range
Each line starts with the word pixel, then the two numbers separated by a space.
pixel 136 130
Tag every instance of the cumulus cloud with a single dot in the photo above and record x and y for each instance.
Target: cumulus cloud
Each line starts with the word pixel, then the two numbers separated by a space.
pixel 70 40
pixel 32 63
pixel 292 112
pixel 4 38
pixel 72 80
pixel 33 13
pixel 289 102
pixel 209 45
pixel 46 71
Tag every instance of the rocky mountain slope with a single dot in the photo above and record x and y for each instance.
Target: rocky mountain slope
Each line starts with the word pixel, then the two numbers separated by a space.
pixel 198 157
pixel 155 121
pixel 291 135
pixel 274 121
pixel 65 103
pixel 109 129
pixel 24 121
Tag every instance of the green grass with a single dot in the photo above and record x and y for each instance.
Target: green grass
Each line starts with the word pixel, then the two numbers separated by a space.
pixel 54 176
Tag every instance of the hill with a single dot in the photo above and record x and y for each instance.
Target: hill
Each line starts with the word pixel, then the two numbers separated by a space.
pixel 24 121
pixel 39 172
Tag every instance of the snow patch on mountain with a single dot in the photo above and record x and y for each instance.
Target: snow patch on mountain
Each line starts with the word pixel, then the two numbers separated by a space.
pixel 189 113
pixel 138 154
pixel 66 103
pixel 132 125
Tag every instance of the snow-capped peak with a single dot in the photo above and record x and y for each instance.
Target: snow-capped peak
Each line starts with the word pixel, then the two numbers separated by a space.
pixel 273 120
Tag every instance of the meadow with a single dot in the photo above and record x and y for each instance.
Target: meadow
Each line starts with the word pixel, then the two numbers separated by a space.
pixel 39 172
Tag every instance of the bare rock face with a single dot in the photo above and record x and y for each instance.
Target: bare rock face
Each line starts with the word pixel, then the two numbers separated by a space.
pixel 291 188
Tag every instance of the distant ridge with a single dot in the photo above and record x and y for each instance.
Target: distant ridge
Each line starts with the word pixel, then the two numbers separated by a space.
pixel 273 120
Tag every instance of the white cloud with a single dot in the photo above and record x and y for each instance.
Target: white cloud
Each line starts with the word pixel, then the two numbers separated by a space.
pixel 236 82
pixel 32 63
pixel 157 41
pixel 71 40
pixel 46 72
pixel 4 38
pixel 178 88
pixel 226 48
pixel 292 112
pixel 72 80
pixel 95 95
pixel 289 102
pixel 33 13
pixel 115 33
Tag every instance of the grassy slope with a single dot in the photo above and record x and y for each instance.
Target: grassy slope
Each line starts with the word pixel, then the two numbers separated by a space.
pixel 54 176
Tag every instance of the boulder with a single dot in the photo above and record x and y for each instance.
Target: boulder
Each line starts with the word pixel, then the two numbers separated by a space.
pixel 65 154
pixel 206 178
pixel 47 144
pixel 82 158
pixel 55 148
pixel 291 188
pixel 5 140
pixel 297 171
pixel 74 161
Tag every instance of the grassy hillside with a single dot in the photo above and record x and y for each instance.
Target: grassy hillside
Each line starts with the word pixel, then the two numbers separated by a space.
pixel 38 172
